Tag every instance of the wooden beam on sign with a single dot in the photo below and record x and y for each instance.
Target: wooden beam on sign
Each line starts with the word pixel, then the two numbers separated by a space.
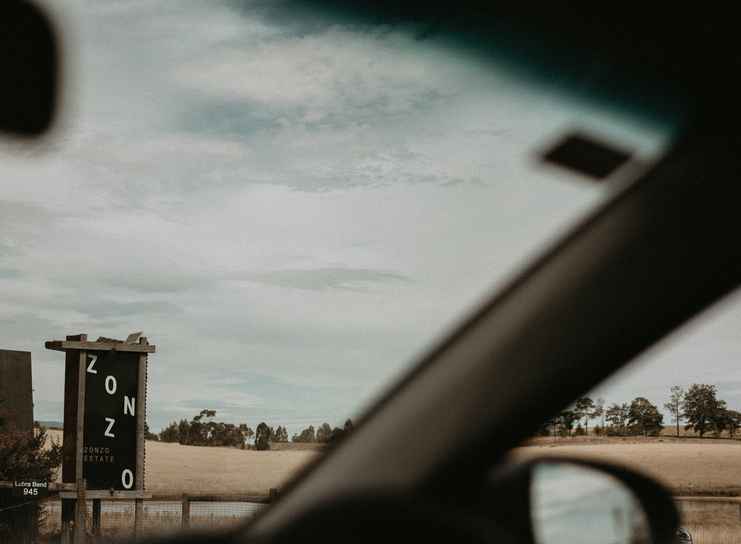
pixel 141 409
pixel 141 414
pixel 81 504
pixel 64 345
pixel 107 495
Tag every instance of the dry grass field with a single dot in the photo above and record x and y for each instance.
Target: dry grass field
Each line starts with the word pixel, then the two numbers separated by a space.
pixel 174 469
pixel 686 466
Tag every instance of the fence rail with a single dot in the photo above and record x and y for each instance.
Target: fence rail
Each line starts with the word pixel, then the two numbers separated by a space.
pixel 112 515
pixel 160 513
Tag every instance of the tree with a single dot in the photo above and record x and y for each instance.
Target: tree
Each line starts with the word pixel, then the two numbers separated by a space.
pixel 674 406
pixel 644 417
pixel 584 409
pixel 324 433
pixel 148 435
pixel 599 412
pixel 733 422
pixel 184 432
pixel 24 455
pixel 262 437
pixel 307 435
pixel 701 409
pixel 281 434
pixel 170 433
pixel 617 417
pixel 565 422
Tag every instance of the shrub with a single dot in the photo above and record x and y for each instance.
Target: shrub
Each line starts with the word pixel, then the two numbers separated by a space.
pixel 23 455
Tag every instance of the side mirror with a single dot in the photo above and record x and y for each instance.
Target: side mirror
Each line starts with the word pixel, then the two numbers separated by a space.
pixel 29 67
pixel 583 502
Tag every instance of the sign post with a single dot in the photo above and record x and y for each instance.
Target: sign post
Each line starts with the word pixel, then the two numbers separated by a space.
pixel 104 420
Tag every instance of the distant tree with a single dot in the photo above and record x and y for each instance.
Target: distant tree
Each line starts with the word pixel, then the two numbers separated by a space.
pixel 307 435
pixel 224 434
pixel 674 406
pixel 701 408
pixel 565 422
pixel 599 412
pixel 280 435
pixel 184 432
pixel 617 417
pixel 262 437
pixel 644 417
pixel 170 433
pixel 324 433
pixel 148 435
pixel 584 408
pixel 733 422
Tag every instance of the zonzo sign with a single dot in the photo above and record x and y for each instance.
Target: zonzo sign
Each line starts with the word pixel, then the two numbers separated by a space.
pixel 104 407
pixel 109 444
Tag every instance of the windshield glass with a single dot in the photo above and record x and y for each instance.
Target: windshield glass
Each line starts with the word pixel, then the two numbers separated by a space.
pixel 291 208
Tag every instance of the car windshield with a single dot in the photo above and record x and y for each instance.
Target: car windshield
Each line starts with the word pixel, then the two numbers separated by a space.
pixel 292 207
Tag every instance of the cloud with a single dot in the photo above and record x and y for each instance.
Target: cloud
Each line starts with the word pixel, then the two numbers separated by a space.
pixel 289 206
pixel 326 278
pixel 103 309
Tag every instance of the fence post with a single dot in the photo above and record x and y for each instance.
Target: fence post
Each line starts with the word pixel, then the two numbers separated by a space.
pixel 185 522
pixel 65 532
pixel 81 512
pixel 138 518
pixel 96 517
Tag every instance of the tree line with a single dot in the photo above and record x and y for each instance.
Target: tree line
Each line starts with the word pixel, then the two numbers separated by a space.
pixel 698 407
pixel 204 430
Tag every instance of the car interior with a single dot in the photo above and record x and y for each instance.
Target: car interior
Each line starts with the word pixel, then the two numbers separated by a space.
pixel 660 250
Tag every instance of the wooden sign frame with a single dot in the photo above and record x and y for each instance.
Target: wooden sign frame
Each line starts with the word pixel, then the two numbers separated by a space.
pixel 76 349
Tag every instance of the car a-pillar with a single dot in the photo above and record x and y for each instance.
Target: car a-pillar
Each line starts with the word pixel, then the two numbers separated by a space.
pixel 104 419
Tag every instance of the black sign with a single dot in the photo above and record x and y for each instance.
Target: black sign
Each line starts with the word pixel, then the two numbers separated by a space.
pixel 30 489
pixel 111 404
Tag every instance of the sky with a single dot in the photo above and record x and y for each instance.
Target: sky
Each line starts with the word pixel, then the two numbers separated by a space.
pixel 291 207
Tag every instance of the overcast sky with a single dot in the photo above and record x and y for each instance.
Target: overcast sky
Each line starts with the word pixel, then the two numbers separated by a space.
pixel 290 207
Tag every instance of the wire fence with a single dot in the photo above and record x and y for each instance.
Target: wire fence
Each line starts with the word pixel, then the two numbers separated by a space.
pixel 117 517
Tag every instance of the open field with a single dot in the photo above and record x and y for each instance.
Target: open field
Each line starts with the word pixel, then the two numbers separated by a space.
pixel 175 469
pixel 686 466
pixel 690 467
